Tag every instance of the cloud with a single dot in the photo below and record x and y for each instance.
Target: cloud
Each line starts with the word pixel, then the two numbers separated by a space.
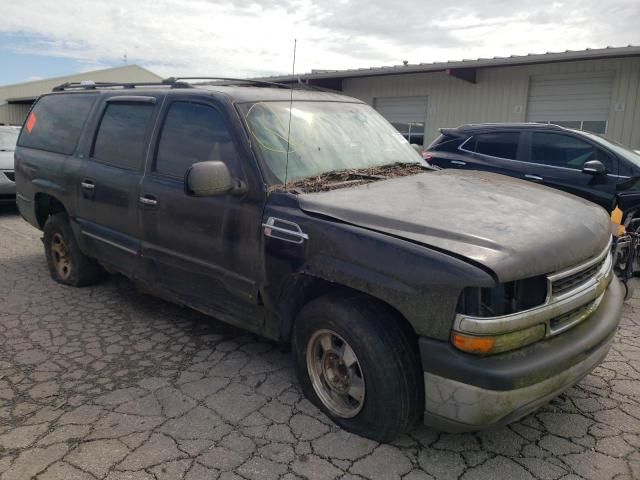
pixel 251 38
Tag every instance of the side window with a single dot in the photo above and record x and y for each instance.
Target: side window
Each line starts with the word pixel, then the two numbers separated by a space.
pixel 120 140
pixel 626 168
pixel 56 122
pixel 565 151
pixel 501 145
pixel 192 133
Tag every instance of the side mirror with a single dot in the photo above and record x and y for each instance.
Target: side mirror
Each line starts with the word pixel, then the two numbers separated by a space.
pixel 594 167
pixel 206 179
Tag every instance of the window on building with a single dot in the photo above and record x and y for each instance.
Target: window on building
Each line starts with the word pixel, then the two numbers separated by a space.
pixel 501 145
pixel 192 133
pixel 56 122
pixel 412 131
pixel 406 114
pixel 593 126
pixel 565 151
pixel 120 140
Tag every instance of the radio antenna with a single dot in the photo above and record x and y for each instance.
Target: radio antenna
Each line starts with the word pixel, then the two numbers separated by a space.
pixel 293 74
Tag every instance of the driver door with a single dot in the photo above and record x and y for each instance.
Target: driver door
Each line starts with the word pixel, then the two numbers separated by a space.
pixel 205 249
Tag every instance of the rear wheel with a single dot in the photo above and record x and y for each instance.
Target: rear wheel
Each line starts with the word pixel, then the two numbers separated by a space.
pixel 359 365
pixel 67 264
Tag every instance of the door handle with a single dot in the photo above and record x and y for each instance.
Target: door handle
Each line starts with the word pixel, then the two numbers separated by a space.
pixel 148 200
pixel 535 178
pixel 458 162
pixel 87 185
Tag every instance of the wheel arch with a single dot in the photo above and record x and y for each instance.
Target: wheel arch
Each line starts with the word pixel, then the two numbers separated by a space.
pixel 45 206
pixel 302 289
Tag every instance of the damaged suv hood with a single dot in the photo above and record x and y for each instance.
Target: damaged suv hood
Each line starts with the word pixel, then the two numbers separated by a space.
pixel 515 228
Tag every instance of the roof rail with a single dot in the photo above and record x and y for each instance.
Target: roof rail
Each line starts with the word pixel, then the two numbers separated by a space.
pixel 90 85
pixel 227 81
pixel 173 82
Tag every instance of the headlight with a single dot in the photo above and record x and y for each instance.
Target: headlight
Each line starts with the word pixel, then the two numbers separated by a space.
pixel 504 298
pixel 501 300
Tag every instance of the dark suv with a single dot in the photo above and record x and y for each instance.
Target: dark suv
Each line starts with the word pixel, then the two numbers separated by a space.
pixel 578 162
pixel 304 217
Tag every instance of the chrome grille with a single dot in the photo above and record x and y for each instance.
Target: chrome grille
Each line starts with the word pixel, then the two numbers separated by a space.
pixel 570 282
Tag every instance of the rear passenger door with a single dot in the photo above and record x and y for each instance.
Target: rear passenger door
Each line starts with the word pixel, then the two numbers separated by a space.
pixel 110 181
pixel 205 249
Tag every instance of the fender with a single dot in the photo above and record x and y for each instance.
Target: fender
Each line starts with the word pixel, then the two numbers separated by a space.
pixel 420 283
pixel 47 186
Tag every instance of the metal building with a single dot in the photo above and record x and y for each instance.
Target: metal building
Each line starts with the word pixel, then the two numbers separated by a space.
pixel 15 100
pixel 596 90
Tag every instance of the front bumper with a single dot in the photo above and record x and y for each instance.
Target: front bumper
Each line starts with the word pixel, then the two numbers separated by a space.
pixel 7 187
pixel 464 392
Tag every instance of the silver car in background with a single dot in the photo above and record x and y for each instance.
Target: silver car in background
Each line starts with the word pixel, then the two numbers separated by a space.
pixel 8 139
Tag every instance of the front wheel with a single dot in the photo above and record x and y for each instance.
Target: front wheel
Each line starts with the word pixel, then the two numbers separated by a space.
pixel 359 364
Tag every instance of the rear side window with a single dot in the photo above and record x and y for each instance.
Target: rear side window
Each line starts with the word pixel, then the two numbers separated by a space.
pixel 501 145
pixel 55 122
pixel 565 151
pixel 192 133
pixel 445 143
pixel 120 140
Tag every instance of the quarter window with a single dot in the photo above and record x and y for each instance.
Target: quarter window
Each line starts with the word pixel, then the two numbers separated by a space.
pixel 501 145
pixel 121 136
pixel 192 133
pixel 565 151
pixel 56 121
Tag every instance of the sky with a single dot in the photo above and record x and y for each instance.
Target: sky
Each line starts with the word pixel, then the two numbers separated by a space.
pixel 246 38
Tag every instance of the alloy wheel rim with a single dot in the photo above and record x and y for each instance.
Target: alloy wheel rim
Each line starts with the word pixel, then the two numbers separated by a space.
pixel 335 373
pixel 61 257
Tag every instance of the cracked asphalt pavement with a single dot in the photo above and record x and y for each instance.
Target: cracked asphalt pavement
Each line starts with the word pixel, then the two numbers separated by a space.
pixel 107 383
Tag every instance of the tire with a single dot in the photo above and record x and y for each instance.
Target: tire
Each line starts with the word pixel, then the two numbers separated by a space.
pixel 67 264
pixel 387 365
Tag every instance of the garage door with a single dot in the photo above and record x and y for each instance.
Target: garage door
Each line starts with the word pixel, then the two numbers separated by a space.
pixel 573 100
pixel 407 114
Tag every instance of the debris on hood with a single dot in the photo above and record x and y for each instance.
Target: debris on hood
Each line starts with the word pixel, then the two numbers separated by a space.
pixel 350 177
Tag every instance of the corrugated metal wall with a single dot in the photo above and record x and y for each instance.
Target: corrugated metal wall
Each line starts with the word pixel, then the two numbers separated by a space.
pixel 16 113
pixel 13 114
pixel 501 94
pixel 570 96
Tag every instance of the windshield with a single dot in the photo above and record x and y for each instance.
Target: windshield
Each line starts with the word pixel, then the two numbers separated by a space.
pixel 8 139
pixel 325 137
pixel 618 148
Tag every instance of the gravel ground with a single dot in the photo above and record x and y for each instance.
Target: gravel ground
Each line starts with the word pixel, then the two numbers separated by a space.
pixel 105 382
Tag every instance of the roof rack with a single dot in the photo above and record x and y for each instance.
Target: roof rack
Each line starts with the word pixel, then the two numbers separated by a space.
pixel 90 85
pixel 228 81
pixel 173 82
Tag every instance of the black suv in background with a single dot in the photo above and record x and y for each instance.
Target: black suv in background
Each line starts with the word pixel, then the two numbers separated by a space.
pixel 301 216
pixel 578 162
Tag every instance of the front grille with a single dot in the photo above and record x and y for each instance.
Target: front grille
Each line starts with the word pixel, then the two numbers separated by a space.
pixel 565 284
pixel 562 322
pixel 11 176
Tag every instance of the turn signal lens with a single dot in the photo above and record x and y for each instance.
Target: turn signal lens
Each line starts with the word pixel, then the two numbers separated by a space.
pixel 472 344
pixel 487 345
